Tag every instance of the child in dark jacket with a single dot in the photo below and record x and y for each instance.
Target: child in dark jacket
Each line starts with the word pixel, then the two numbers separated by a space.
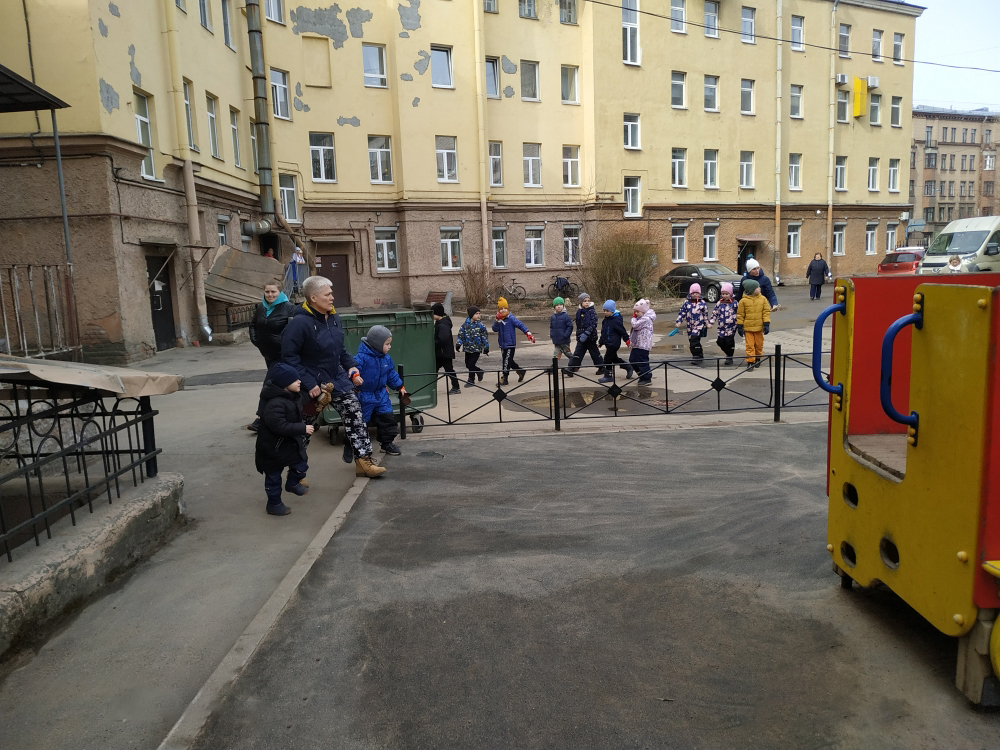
pixel 613 333
pixel 586 335
pixel 281 437
pixel 560 329
pixel 724 313
pixel 444 345
pixel 694 315
pixel 506 327
pixel 474 340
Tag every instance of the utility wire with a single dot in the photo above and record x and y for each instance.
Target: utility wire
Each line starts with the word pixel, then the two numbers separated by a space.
pixel 617 6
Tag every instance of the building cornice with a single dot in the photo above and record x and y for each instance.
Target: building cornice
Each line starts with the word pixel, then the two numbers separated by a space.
pixel 905 9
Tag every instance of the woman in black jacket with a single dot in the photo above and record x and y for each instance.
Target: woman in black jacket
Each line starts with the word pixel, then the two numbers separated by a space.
pixel 269 320
pixel 817 273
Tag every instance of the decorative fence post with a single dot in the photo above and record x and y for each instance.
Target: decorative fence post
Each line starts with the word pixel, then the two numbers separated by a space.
pixel 779 395
pixel 555 392
pixel 402 407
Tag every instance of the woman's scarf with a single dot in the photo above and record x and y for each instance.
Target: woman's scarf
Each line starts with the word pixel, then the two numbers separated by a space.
pixel 269 308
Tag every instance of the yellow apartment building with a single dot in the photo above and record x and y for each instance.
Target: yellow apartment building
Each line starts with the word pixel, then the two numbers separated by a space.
pixel 406 139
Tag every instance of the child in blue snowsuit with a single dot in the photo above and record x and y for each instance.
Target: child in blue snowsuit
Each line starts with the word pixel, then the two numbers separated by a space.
pixel 473 340
pixel 613 333
pixel 724 313
pixel 506 327
pixel 694 314
pixel 378 371
pixel 586 335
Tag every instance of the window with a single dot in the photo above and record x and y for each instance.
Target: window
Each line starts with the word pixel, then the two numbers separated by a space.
pixel 203 14
pixel 632 207
pixel 678 167
pixel 838 238
pixel 840 173
pixel 529 80
pixel 492 78
pixel 795 101
pixel 890 237
pixel 571 166
pixel 929 187
pixel 845 40
pixel 712 93
pixel 843 106
pixel 441 67
pixel 893 175
pixel 451 249
pixel 965 134
pixel 711 19
pixel 223 232
pixel 972 190
pixel 567 11
pixel 873 173
pixel 746 169
pixel 570 90
pixel 286 189
pixel 279 94
pixel 373 59
pixel 928 135
pixel 988 188
pixel 678 83
pixel 253 146
pixel 571 246
pixel 964 157
pixel 951 189
pixel 929 214
pixel 144 135
pixel 711 170
pixel 533 247
pixel 870 232
pixel 380 158
pixel 677 17
pixel 188 115
pixel 386 251
pixel 987 135
pixel 798 33
pixel 913 188
pixel 896 112
pixel 972 136
pixel 532 157
pixel 952 162
pixel 213 130
pixel 499 248
pixel 913 160
pixel 897 49
pixel 710 249
pixel 234 128
pixel 630 32
pixel 875 109
pixel 930 160
pixel 526 9
pixel 747 33
pixel 961 190
pixel 944 134
pixel 490 6
pixel 180 4
pixel 953 135
pixel 273 11
pixel 227 27
pixel 794 237
pixel 678 243
pixel 631 131
pixel 876 45
pixel 989 162
pixel 746 96
pixel 795 171
pixel 446 151
pixel 321 154
pixel 972 162
pixel 496 164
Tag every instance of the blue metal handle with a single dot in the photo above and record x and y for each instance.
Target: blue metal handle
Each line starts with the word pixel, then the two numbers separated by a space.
pixel 817 364
pixel 885 380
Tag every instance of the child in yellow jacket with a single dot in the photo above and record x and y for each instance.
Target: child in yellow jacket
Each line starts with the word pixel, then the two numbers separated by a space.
pixel 753 320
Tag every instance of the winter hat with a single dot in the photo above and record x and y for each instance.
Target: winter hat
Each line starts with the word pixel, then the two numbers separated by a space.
pixel 438 309
pixel 558 301
pixel 283 375
pixel 610 306
pixel 752 264
pixel 472 310
pixel 695 289
pixel 582 297
pixel 727 288
pixel 376 337
pixel 501 304
pixel 750 286
pixel 642 306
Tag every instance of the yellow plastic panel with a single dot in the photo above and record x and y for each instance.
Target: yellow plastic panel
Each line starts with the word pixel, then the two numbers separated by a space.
pixel 932 514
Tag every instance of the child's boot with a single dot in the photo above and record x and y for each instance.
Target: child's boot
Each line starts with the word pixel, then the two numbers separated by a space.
pixel 392 449
pixel 278 509
pixel 365 467
pixel 348 451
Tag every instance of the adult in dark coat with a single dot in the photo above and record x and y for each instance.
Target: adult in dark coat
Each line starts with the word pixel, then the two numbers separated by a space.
pixel 444 345
pixel 817 273
pixel 269 320
pixel 755 272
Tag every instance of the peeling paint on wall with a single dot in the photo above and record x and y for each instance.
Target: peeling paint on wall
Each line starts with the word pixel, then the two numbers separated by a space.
pixel 298 89
pixel 356 18
pixel 113 10
pixel 354 121
pixel 421 65
pixel 297 103
pixel 508 67
pixel 109 97
pixel 416 101
pixel 404 34
pixel 133 71
pixel 325 21
pixel 409 15
pixel 405 77
pixel 508 91
pixel 102 27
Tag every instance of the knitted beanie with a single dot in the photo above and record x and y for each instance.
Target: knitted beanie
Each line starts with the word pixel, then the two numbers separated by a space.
pixel 283 375
pixel 438 309
pixel 501 304
pixel 472 310
pixel 752 264
pixel 582 297
pixel 695 289
pixel 558 301
pixel 610 306
pixel 750 286
pixel 642 306
pixel 376 338
pixel 727 288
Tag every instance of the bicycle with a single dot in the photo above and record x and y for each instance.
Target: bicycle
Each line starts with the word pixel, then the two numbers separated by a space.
pixel 512 290
pixel 562 287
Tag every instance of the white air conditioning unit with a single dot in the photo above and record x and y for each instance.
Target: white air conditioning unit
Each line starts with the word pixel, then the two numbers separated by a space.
pixel 872 82
pixel 905 216
pixel 843 79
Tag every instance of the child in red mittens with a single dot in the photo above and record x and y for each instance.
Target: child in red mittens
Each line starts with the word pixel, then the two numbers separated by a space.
pixel 506 327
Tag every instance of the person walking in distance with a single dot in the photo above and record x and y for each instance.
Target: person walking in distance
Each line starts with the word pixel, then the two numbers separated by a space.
pixel 818 272
pixel 506 327
pixel 641 340
pixel 473 339
pixel 613 333
pixel 444 345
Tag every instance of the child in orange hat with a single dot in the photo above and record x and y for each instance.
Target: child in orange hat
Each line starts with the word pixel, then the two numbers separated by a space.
pixel 506 327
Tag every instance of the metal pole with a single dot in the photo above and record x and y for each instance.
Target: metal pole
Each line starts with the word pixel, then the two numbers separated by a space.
pixel 778 388
pixel 402 408
pixel 555 391
pixel 62 187
pixel 148 435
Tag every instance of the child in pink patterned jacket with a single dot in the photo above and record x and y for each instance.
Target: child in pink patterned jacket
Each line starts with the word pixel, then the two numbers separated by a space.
pixel 641 340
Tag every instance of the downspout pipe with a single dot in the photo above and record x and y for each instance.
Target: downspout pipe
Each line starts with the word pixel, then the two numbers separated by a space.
pixel 477 11
pixel 833 124
pixel 779 103
pixel 262 115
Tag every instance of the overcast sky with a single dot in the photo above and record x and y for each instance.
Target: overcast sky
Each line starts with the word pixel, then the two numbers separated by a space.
pixel 958 32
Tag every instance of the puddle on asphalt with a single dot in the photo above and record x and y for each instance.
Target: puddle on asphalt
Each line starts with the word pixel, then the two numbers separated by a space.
pixel 632 400
pixel 433 455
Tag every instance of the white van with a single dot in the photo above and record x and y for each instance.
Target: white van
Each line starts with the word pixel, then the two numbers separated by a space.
pixel 976 241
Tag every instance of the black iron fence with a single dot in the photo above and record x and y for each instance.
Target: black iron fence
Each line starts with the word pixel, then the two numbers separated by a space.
pixel 233 317
pixel 63 448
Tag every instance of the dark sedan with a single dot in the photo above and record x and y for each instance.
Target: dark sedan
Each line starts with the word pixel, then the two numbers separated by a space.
pixel 711 276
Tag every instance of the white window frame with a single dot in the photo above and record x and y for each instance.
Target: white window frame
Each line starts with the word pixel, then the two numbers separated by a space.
pixel 793 242
pixel 678 167
pixel 527 67
pixel 574 97
pixel 873 168
pixel 189 115
pixel 222 229
pixel 989 162
pixel 498 243
pixel 844 99
pixel 844 40
pixel 274 10
pixel 795 171
pixel 839 236
pixel 840 173
pixel 745 89
pixel 279 95
pixel 893 175
pixel 204 14
pixel 890 237
pixel 710 169
pixel 386 247
pixel 493 76
pixel 877 35
pixel 710 243
pixel 795 108
pixel 571 244
pixel 532 165
pixel 289 205
pixel 211 104
pixel 633 195
pixel 320 151
pixel 253 147
pixel 378 79
pixel 142 122
pixel 490 6
pixel 746 170
pixel 896 112
pixel 451 243
pixel 871 239
pixel 568 12
pixel 678 85
pixel 234 129
pixel 798 33
pixel 382 159
pixel 527 9
pixel 632 132
pixel 875 109
pixel 748 25
pixel 897 48
pixel 227 24
pixel 678 243
pixel 437 51
pixel 712 19
pixel 714 88
pixel 446 155
pixel 631 51
pixel 678 16
pixel 496 164
pixel 571 166
pixel 534 247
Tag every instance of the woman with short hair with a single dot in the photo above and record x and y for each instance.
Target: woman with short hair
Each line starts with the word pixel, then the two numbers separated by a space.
pixel 269 320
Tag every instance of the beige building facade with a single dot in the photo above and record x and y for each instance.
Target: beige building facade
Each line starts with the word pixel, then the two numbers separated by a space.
pixel 411 139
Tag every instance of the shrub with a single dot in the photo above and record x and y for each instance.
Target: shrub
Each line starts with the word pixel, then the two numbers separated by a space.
pixel 618 265
pixel 479 281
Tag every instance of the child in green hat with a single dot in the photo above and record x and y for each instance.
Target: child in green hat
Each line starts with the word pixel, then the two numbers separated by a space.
pixel 560 329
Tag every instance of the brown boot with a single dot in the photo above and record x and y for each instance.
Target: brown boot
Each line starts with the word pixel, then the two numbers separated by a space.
pixel 365 467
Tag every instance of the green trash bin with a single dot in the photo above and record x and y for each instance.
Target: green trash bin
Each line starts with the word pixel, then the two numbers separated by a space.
pixel 412 347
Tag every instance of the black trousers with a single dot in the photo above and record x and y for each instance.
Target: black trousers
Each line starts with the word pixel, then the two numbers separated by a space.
pixel 727 344
pixel 815 291
pixel 449 368
pixel 584 347
pixel 694 344
pixel 471 358
pixel 611 358
pixel 507 360
pixel 386 427
pixel 272 480
pixel 639 358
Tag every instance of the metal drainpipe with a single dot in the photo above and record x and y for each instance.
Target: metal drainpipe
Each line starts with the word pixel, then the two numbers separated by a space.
pixel 777 147
pixel 833 124
pixel 263 122
pixel 477 10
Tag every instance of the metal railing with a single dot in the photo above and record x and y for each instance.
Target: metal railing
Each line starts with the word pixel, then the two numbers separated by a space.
pixel 62 448
pixel 38 310
pixel 234 317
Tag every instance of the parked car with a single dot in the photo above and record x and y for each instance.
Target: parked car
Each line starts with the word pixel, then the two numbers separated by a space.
pixel 976 241
pixel 901 260
pixel 711 276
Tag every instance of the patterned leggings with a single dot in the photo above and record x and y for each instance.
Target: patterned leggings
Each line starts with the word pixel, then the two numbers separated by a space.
pixel 349 409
